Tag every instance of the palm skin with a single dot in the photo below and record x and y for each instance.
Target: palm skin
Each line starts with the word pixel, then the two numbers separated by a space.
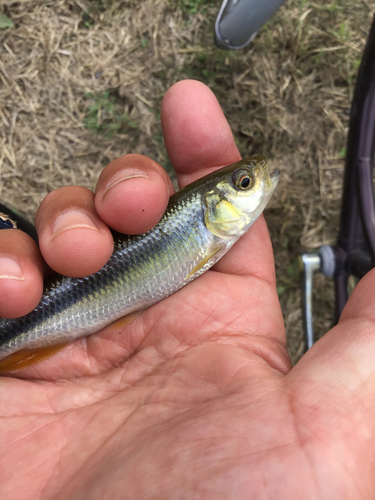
pixel 196 397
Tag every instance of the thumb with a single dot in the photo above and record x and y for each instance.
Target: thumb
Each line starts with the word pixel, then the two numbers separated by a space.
pixel 342 363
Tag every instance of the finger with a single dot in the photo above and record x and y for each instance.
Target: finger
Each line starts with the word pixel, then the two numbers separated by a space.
pixel 196 133
pixel 340 366
pixel 132 194
pixel 252 255
pixel 199 140
pixel 350 345
pixel 361 303
pixel 74 241
pixel 21 274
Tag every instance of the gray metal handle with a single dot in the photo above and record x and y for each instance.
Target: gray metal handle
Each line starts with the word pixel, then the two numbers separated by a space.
pixel 325 262
pixel 240 20
pixel 311 263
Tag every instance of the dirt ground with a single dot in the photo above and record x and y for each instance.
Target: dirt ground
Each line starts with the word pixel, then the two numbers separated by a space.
pixel 81 83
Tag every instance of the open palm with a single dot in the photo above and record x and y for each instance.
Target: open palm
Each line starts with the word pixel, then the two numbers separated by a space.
pixel 195 397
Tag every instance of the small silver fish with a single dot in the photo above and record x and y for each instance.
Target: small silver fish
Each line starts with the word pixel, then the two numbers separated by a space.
pixel 200 225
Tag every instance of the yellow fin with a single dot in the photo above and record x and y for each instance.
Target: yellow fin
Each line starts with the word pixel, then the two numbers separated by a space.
pixel 28 357
pixel 204 261
pixel 120 323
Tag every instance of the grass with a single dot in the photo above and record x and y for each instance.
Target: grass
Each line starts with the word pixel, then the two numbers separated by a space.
pixel 82 83
pixel 104 116
pixel 193 6
pixel 5 22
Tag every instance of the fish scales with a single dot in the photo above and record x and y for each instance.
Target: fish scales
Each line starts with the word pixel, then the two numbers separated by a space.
pixel 142 270
pixel 201 223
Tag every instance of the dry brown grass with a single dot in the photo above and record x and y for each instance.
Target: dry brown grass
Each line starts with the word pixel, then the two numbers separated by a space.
pixel 287 95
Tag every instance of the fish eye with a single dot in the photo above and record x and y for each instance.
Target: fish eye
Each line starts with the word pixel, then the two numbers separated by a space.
pixel 243 180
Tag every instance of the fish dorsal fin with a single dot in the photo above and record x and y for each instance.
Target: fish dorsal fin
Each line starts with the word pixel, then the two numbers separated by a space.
pixel 204 261
pixel 28 357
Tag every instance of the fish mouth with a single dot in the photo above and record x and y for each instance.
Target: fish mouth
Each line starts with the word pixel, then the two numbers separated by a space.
pixel 275 176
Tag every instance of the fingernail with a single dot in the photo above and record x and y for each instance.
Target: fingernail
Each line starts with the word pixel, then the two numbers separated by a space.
pixel 10 269
pixel 73 219
pixel 124 175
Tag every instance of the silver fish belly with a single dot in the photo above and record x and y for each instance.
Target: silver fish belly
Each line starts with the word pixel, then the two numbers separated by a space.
pixel 200 225
pixel 142 271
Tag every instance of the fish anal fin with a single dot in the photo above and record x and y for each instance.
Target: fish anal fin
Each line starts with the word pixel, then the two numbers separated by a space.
pixel 119 324
pixel 27 357
pixel 204 261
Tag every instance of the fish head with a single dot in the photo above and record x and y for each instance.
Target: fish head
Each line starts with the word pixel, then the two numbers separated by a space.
pixel 238 195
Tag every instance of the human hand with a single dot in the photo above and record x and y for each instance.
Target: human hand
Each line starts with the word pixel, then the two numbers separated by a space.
pixel 196 397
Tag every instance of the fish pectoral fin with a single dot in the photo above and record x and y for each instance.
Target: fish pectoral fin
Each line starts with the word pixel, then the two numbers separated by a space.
pixel 28 357
pixel 203 262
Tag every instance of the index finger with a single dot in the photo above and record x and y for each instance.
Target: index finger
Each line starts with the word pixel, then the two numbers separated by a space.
pixel 199 140
pixel 196 133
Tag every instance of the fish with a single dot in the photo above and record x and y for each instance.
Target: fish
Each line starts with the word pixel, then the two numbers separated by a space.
pixel 201 223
